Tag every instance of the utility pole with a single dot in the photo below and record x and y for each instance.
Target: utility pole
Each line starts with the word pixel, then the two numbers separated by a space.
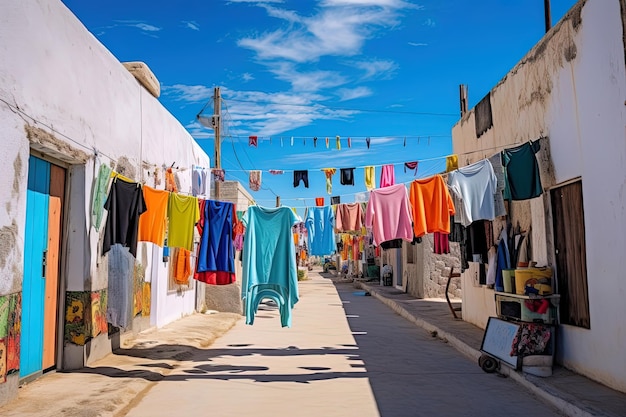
pixel 548 17
pixel 217 125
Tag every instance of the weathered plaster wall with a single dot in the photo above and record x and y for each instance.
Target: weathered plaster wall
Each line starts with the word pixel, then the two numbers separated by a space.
pixel 571 88
pixel 63 95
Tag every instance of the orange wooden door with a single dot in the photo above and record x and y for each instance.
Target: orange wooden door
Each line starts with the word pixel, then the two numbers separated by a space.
pixel 51 301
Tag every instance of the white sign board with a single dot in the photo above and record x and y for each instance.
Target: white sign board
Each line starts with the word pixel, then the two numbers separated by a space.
pixel 498 340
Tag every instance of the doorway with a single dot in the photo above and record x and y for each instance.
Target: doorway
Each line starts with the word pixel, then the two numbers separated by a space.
pixel 45 199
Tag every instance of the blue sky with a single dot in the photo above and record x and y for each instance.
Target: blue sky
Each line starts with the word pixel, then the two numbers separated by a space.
pixel 385 69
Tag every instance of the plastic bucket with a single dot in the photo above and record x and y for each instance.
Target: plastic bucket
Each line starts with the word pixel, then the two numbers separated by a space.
pixel 539 279
pixel 508 280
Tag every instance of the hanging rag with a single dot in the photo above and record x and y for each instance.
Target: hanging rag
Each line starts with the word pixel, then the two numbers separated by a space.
pixel 411 166
pixel 370 173
pixel 182 267
pixel 335 200
pixel 338 146
pixel 276 171
pixel 349 143
pixel 347 176
pixel 255 180
pixel 315 142
pixel 452 163
pixel 387 176
pixel 253 141
pixel 218 174
pixel 170 181
pixel 442 243
pixel 319 201
pixel 367 142
pixel 329 172
pixel 100 195
pixel 327 143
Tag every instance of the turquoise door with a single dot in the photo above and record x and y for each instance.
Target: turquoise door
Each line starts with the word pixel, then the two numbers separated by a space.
pixel 35 246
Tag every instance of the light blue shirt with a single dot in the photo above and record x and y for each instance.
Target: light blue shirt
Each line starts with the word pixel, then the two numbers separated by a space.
pixel 476 184
pixel 269 261
pixel 320 223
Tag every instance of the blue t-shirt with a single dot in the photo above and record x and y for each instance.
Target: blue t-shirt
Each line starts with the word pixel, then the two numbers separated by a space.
pixel 216 252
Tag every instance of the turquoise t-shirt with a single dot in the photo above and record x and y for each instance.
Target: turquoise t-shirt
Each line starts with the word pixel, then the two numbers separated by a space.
pixel 320 224
pixel 269 261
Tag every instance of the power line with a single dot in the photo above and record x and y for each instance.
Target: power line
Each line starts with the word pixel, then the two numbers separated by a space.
pixel 349 109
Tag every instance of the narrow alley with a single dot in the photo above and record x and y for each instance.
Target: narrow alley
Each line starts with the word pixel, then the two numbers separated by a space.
pixel 346 354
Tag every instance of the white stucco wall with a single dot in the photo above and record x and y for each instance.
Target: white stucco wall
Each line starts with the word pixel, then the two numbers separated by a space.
pixel 588 139
pixel 70 87
pixel 571 88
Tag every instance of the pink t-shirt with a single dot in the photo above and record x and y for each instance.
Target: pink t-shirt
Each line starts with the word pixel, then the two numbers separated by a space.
pixel 388 214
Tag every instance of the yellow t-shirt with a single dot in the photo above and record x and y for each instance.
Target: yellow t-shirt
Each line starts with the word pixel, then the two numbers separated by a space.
pixel 153 221
pixel 183 213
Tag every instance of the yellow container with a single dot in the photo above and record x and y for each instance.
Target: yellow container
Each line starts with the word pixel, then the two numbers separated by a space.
pixel 538 278
pixel 508 279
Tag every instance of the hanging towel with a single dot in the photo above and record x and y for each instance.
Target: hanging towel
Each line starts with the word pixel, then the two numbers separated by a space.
pixel 253 141
pixel 329 172
pixel 255 180
pixel 347 176
pixel 387 176
pixel 170 181
pixel 442 244
pixel 411 166
pixel 338 143
pixel 198 182
pixel 370 173
pixel 182 267
pixel 99 195
pixel 452 163
pixel 319 201
pixel 335 200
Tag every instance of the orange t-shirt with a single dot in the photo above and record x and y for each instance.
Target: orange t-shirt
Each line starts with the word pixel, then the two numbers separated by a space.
pixel 432 206
pixel 153 221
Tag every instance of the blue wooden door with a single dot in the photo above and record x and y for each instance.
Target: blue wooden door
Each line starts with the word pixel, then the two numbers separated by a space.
pixel 35 246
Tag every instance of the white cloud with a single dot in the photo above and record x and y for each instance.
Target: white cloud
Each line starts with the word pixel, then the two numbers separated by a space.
pixel 191 24
pixel 398 4
pixel 376 68
pixel 189 93
pixel 138 24
pixel 429 22
pixel 307 81
pixel 352 93
pixel 246 76
pixel 417 44
pixel 338 31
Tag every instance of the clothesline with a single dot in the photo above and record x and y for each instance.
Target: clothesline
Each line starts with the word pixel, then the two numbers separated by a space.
pixel 356 167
